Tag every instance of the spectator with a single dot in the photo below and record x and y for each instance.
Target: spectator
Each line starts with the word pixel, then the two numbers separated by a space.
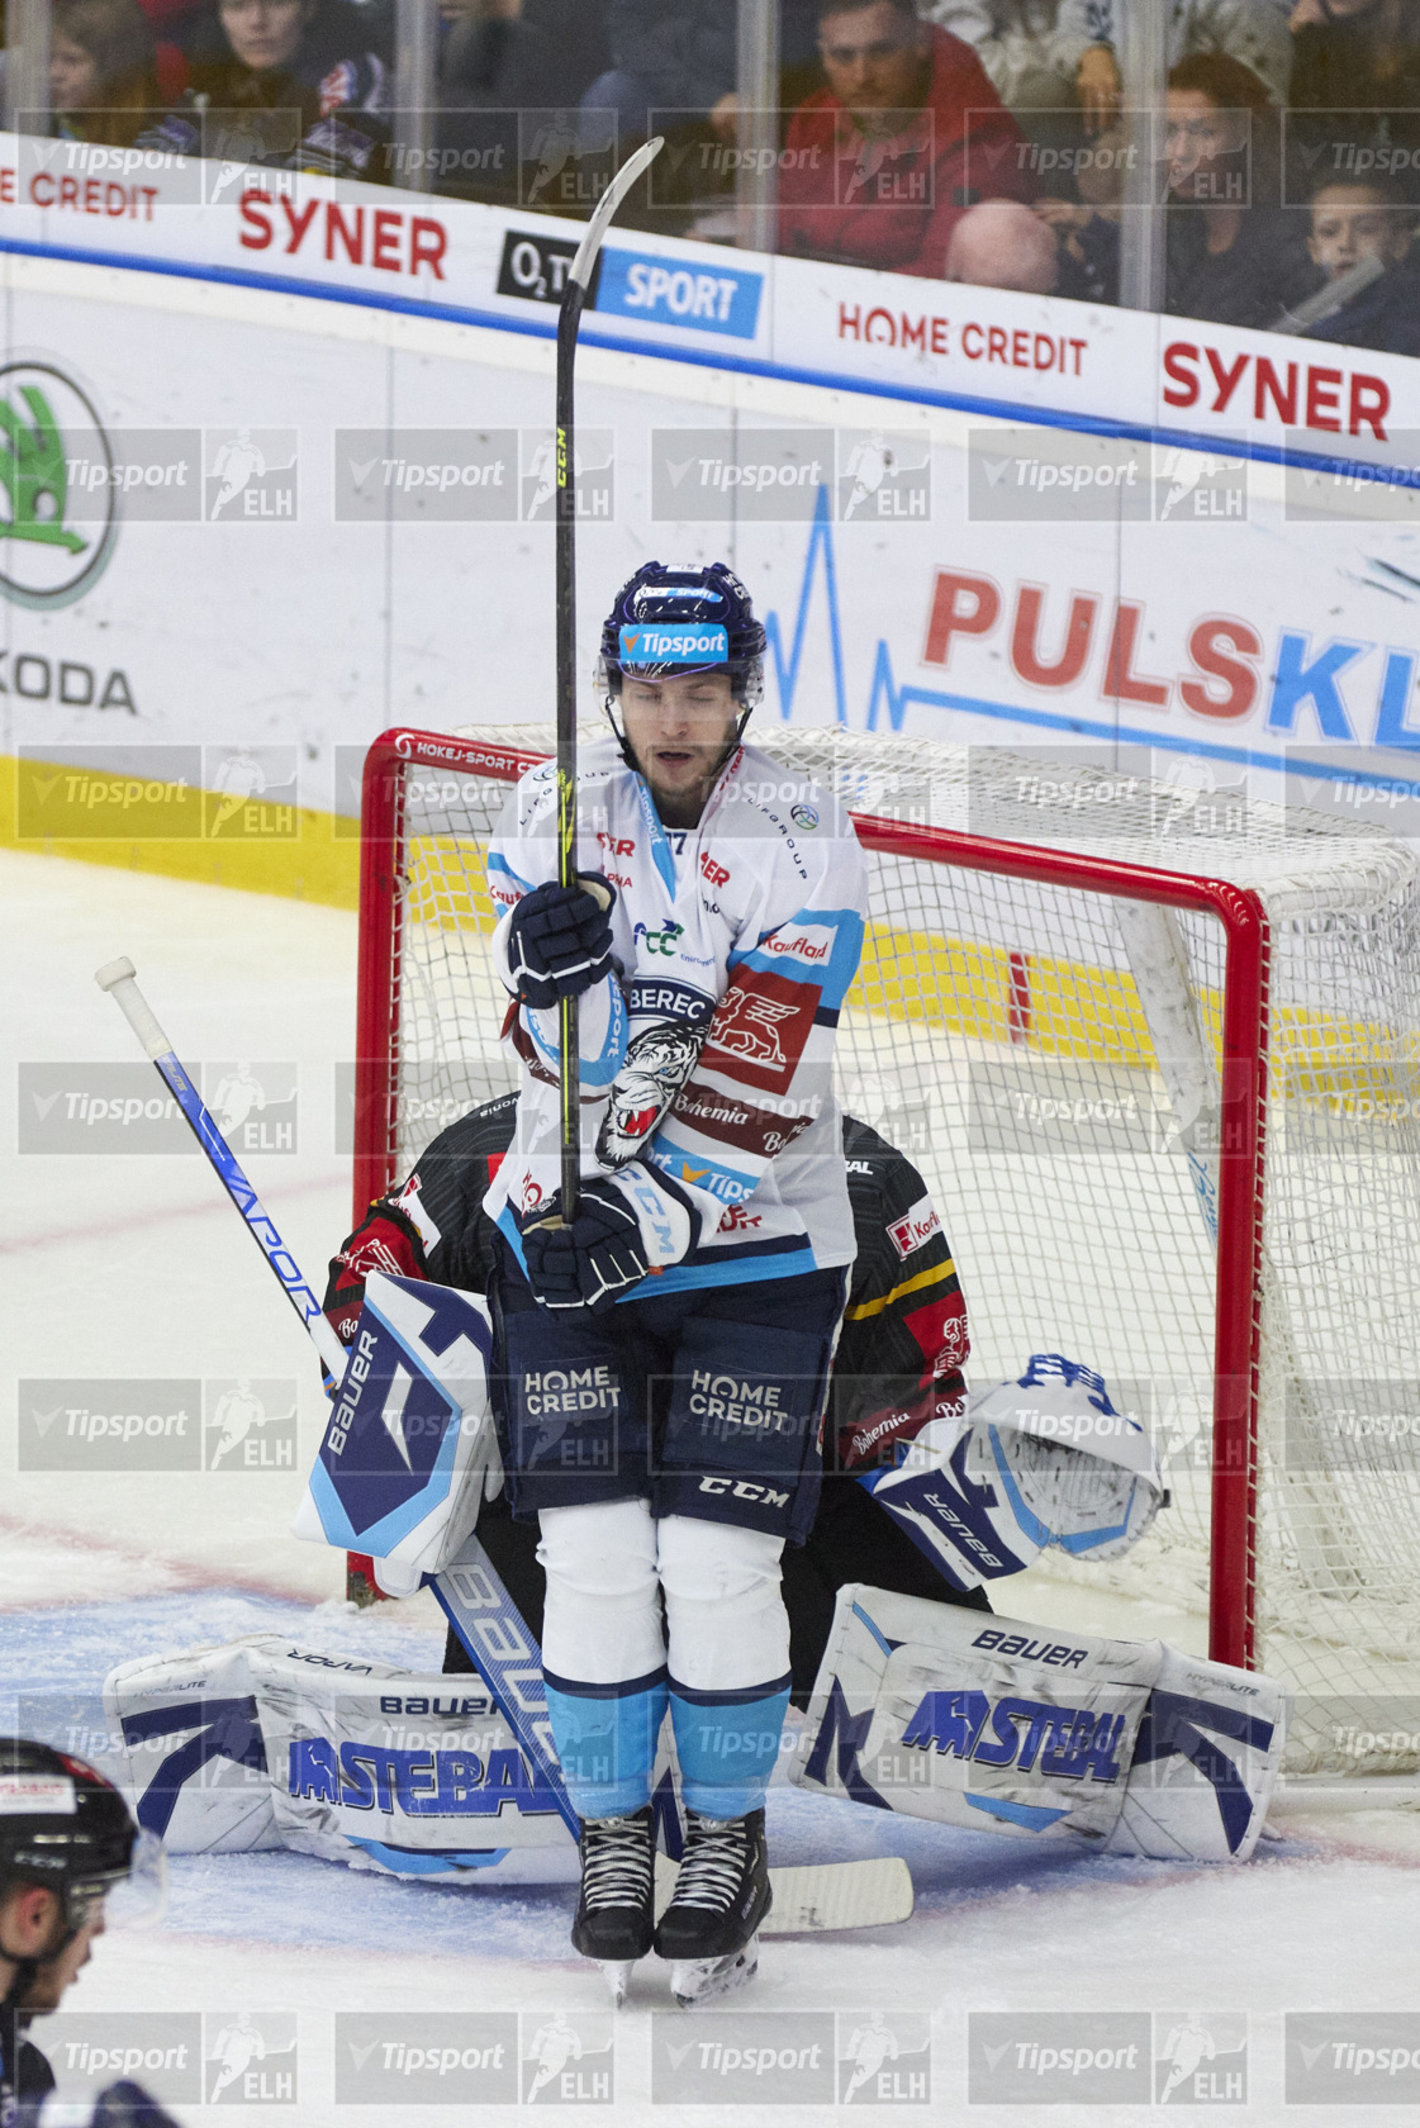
pixel 1253 32
pixel 1356 89
pixel 294 84
pixel 1031 49
pixel 1002 244
pixel 1365 219
pixel 880 166
pixel 520 54
pixel 103 76
pixel 667 56
pixel 1230 251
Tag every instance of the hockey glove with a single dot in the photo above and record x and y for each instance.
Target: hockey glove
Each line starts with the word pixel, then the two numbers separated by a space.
pixel 559 940
pixel 624 1226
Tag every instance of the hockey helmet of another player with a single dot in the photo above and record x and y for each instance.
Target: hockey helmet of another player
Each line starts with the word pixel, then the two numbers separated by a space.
pixel 671 619
pixel 1076 1472
pixel 67 1828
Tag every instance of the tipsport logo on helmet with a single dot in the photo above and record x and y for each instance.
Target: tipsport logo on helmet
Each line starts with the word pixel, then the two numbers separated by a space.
pixel 665 643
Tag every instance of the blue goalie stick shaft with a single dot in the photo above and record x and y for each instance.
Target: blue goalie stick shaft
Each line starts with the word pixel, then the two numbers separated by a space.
pixel 118 979
pixel 507 1658
pixel 480 1609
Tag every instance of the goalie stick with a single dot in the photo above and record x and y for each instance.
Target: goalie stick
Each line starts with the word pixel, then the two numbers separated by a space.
pixel 569 318
pixel 470 1591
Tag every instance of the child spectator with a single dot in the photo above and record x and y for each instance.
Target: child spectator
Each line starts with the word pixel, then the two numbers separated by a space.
pixel 103 74
pixel 881 164
pixel 1368 220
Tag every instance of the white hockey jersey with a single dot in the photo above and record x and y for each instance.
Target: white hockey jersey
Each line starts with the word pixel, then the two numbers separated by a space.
pixel 755 916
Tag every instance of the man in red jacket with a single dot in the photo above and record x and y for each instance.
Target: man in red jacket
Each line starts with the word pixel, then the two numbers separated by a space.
pixel 880 166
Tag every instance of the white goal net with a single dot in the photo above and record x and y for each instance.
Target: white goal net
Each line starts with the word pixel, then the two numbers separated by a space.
pixel 1065 1057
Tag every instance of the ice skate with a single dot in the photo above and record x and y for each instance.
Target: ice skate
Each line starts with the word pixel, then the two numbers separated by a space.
pixel 710 1931
pixel 615 1918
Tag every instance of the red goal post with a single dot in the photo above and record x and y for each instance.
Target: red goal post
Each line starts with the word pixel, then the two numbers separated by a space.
pixel 406 844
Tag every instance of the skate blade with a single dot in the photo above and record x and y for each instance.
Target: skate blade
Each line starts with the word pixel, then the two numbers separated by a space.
pixel 616 1972
pixel 697 1980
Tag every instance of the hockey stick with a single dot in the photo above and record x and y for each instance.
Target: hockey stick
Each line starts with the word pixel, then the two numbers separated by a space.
pixel 569 319
pixel 496 1638
pixel 470 1591
pixel 118 979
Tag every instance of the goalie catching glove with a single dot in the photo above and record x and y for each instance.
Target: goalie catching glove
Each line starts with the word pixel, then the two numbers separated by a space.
pixel 625 1226
pixel 559 940
pixel 1042 1460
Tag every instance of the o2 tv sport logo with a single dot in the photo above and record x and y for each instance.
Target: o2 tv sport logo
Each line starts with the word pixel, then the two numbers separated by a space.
pixel 54 544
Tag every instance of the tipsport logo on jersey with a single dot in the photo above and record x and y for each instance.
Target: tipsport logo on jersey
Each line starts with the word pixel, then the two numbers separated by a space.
pixel 469 476
pixel 243 1423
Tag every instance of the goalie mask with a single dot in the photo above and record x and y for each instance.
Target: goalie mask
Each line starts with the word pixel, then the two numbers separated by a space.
pixel 1042 1460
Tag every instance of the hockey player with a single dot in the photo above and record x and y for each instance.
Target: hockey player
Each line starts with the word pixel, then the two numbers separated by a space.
pixel 66 1841
pixel 667 1348
pixel 898 1365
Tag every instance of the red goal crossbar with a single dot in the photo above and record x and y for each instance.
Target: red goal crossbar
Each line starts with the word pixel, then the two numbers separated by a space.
pixel 1237 1342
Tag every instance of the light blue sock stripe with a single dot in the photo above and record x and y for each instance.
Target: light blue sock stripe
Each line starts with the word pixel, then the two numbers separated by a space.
pixel 606 1746
pixel 727 1748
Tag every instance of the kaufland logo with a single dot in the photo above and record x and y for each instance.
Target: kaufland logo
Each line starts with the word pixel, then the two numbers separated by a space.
pixel 684 645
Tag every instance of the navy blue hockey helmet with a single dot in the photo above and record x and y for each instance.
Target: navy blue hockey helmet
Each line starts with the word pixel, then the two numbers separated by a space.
pixel 673 619
pixel 64 1826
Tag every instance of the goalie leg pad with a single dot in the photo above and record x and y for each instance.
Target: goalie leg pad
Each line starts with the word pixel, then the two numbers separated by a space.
pixel 1123 1746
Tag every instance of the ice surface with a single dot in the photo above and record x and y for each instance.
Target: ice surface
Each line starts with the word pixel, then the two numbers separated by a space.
pixel 122 1267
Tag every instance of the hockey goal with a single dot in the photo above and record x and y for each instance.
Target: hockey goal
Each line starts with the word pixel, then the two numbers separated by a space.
pixel 1157 1054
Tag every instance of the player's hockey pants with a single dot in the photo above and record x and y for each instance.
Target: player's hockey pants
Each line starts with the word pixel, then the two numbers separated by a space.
pixel 707 1403
pixel 721 1659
